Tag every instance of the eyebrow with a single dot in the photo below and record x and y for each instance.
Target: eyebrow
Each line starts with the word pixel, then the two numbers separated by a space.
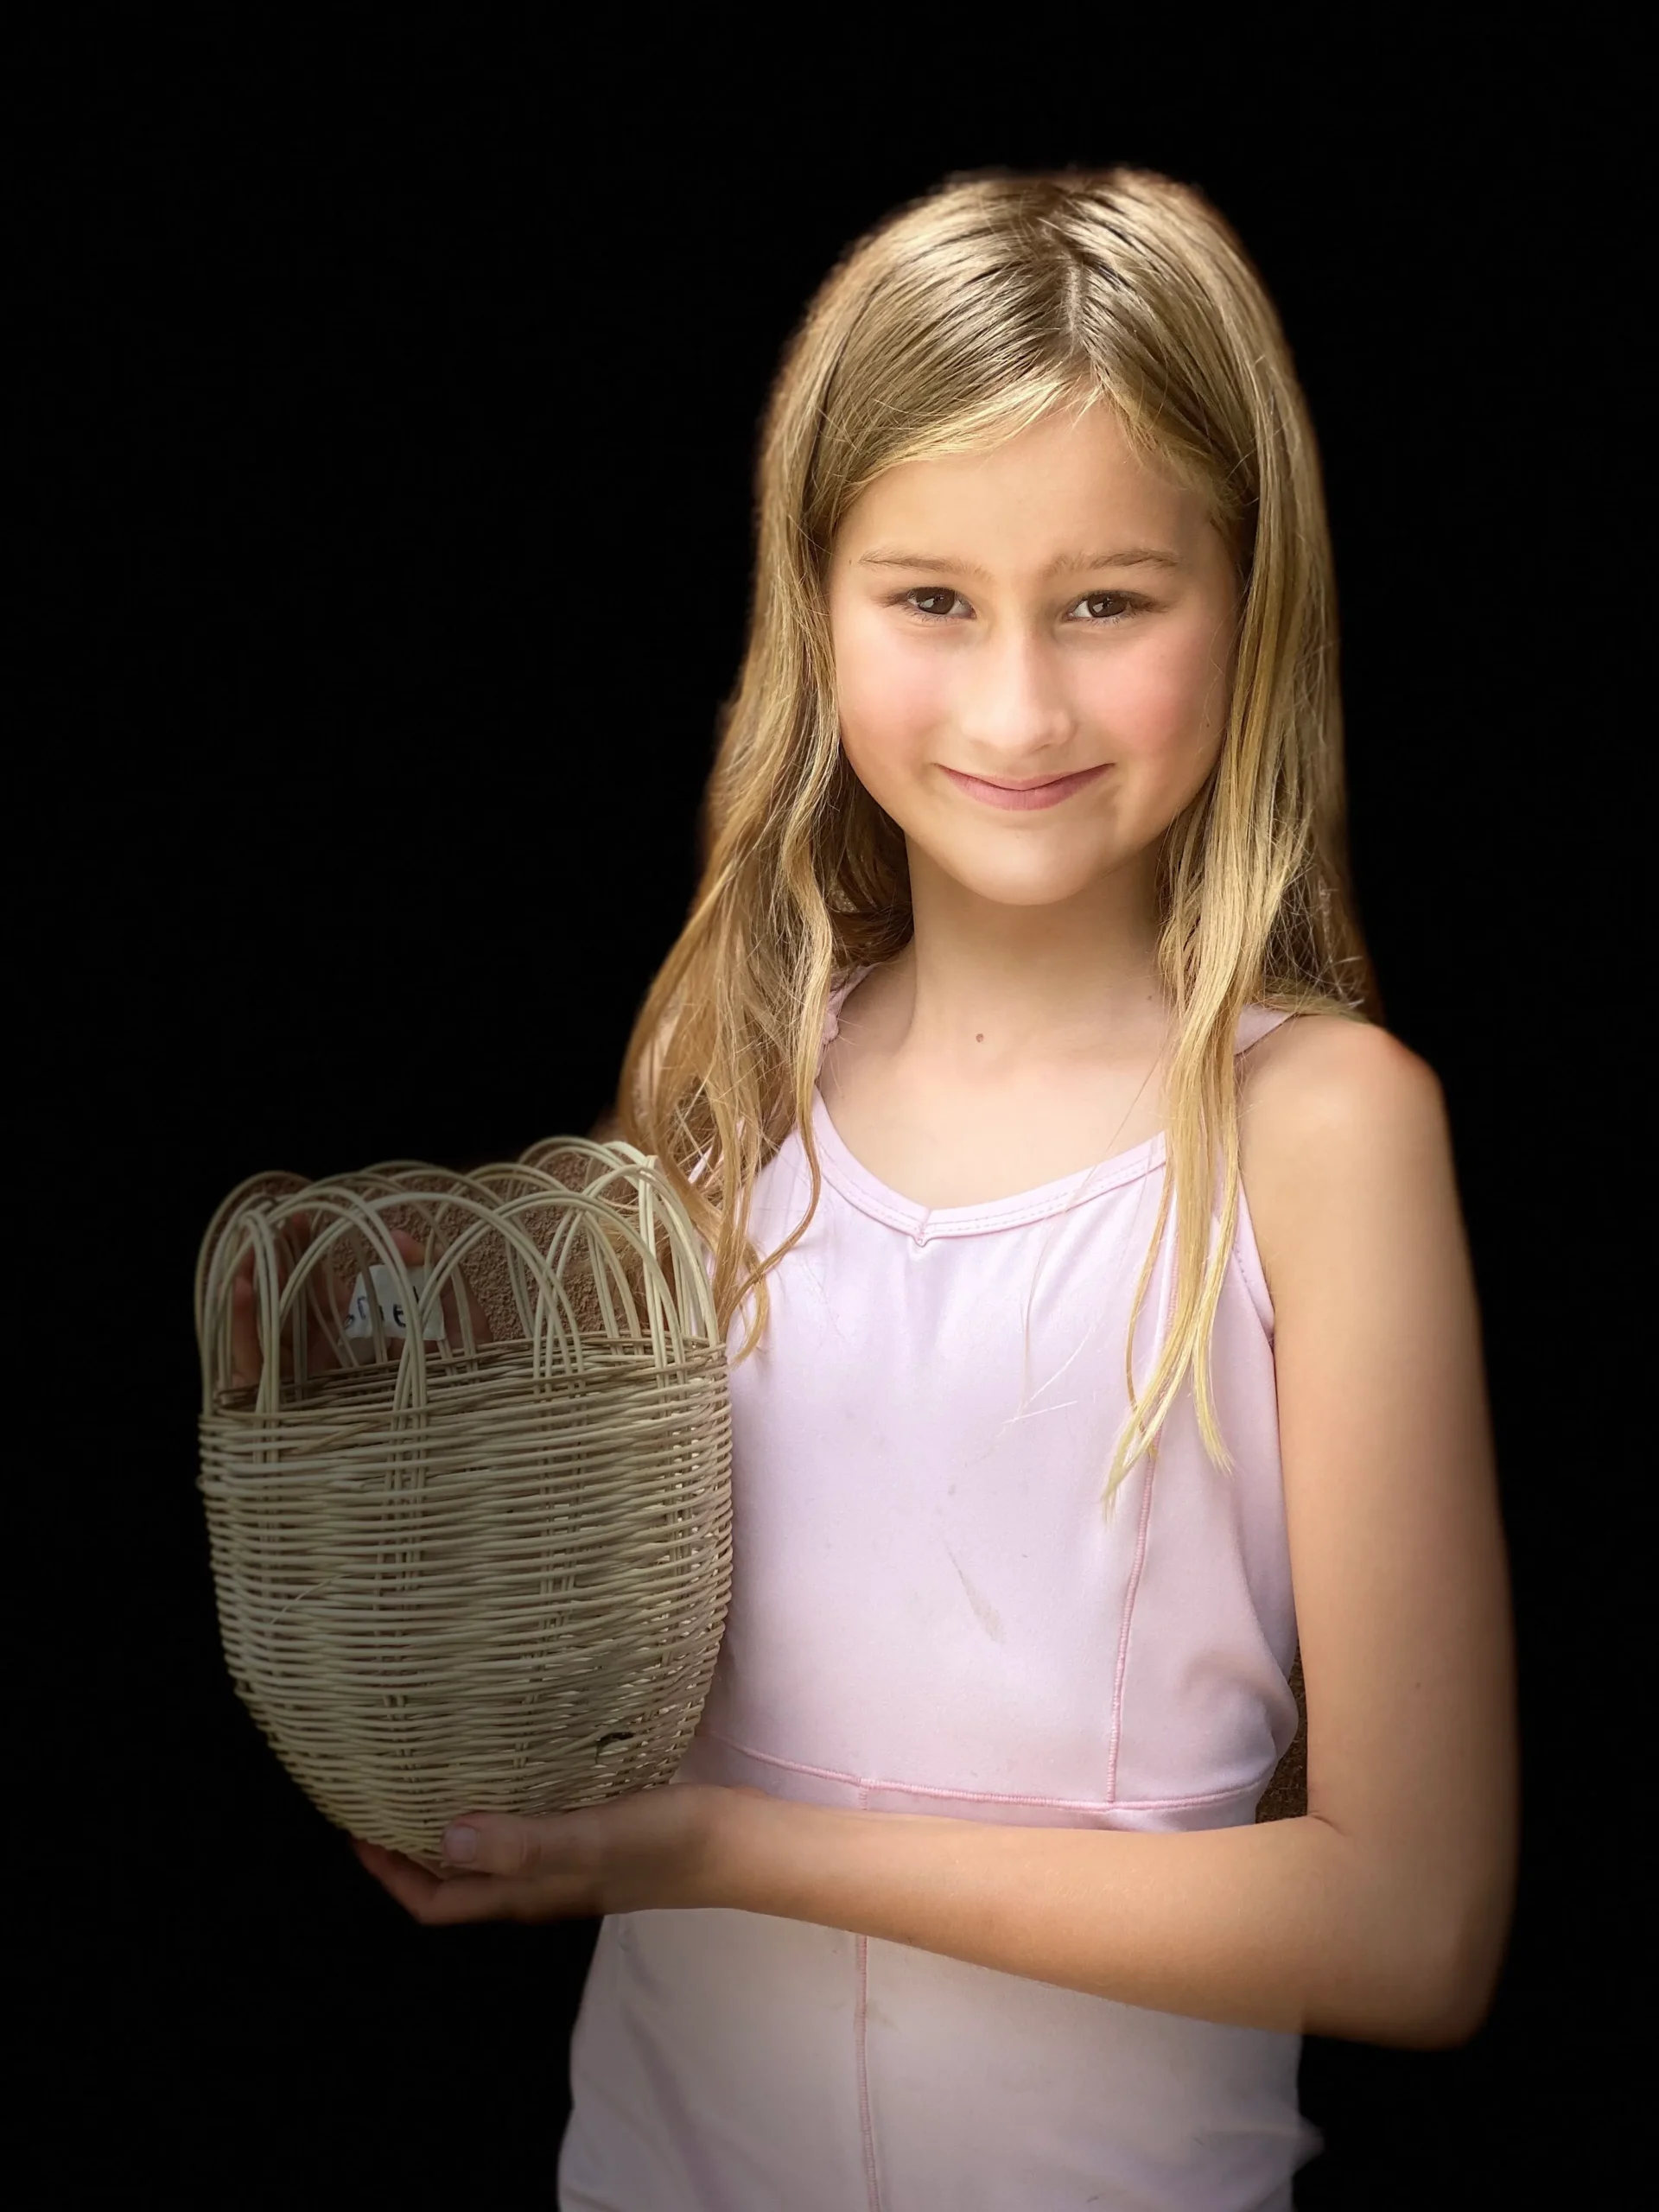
pixel 1128 556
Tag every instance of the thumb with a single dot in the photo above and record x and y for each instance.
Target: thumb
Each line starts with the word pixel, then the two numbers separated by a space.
pixel 497 1843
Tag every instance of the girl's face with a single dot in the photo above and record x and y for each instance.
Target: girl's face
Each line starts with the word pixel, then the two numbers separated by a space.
pixel 1050 609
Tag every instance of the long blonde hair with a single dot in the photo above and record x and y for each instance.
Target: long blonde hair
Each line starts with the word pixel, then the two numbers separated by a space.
pixel 961 319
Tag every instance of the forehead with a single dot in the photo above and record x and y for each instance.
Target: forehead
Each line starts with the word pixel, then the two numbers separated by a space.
pixel 1067 479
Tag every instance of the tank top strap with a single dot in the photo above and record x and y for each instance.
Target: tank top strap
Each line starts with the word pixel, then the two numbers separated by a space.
pixel 838 994
pixel 1254 1024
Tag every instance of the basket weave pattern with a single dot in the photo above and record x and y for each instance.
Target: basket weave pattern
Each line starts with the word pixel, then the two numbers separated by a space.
pixel 455 1574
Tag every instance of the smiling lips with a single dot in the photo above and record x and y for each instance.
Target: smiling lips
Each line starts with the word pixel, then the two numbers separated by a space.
pixel 1025 796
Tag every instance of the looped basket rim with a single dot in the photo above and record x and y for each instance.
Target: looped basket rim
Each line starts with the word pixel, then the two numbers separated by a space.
pixel 252 1214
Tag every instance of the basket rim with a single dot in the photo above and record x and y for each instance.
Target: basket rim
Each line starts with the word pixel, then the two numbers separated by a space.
pixel 253 1214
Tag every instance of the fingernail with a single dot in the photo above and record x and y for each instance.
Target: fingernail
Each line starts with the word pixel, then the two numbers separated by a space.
pixel 460 1845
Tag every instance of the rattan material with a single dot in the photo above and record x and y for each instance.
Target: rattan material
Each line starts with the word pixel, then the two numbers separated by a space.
pixel 460 1575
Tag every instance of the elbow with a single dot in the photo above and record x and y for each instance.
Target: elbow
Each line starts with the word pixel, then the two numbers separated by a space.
pixel 1432 1969
pixel 1431 2015
pixel 1465 1998
pixel 1435 1944
pixel 1453 1996
pixel 1453 2019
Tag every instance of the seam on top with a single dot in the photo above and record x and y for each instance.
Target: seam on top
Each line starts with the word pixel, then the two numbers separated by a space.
pixel 848 1176
pixel 1246 1258
pixel 865 1783
pixel 844 1172
pixel 860 1189
pixel 1243 1258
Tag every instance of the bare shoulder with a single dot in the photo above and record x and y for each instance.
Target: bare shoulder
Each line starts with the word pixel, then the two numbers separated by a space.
pixel 1321 1073
pixel 1333 1111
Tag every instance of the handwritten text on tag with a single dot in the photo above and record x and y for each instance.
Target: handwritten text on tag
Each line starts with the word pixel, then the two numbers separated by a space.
pixel 389 1296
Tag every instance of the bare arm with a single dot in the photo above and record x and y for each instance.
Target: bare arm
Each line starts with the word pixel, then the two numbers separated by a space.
pixel 1383 1913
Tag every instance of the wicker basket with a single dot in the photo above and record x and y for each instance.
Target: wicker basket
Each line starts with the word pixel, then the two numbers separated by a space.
pixel 460 1570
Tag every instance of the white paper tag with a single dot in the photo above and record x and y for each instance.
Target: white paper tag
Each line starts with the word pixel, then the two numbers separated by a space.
pixel 389 1296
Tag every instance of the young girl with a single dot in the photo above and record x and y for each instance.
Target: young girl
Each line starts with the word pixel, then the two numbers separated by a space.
pixel 1100 1316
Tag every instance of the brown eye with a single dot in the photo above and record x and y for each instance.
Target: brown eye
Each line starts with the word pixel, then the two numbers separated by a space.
pixel 932 599
pixel 1106 606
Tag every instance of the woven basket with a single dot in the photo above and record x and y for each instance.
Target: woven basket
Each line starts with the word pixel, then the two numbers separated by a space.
pixel 454 1574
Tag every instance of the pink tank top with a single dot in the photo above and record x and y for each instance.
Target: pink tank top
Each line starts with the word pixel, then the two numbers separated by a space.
pixel 931 1614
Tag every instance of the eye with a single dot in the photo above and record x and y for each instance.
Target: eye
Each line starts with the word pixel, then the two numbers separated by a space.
pixel 938 603
pixel 1108 601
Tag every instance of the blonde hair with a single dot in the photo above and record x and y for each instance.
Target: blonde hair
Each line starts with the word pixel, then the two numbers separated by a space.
pixel 960 319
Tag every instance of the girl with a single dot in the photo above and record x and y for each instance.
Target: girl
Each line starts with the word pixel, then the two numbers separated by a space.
pixel 1100 1317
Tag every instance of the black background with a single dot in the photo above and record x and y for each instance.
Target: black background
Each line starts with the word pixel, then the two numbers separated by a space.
pixel 395 465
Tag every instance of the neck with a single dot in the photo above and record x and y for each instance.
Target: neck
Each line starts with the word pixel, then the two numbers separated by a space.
pixel 996 986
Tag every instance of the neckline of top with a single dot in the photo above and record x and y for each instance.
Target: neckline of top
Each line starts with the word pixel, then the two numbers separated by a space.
pixel 870 1195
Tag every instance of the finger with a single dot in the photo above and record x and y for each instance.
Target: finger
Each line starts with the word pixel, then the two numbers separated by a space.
pixel 447 1901
pixel 328 1302
pixel 411 1886
pixel 328 1308
pixel 414 1254
pixel 292 1240
pixel 325 1346
pixel 247 1354
pixel 511 1850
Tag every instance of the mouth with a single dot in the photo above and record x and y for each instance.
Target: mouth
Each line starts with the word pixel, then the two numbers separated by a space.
pixel 1042 791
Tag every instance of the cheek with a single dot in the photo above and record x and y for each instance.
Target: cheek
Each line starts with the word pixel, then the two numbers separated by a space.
pixel 889 698
pixel 1165 705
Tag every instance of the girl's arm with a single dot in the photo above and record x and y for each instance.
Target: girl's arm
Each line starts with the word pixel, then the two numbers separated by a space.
pixel 1382 1914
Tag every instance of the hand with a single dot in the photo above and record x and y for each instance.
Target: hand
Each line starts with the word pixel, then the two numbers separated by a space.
pixel 323 1346
pixel 646 1851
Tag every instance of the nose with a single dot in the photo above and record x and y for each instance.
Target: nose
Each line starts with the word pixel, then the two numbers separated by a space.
pixel 1013 710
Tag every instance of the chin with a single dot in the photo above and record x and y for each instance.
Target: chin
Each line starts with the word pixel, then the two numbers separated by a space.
pixel 1038 883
